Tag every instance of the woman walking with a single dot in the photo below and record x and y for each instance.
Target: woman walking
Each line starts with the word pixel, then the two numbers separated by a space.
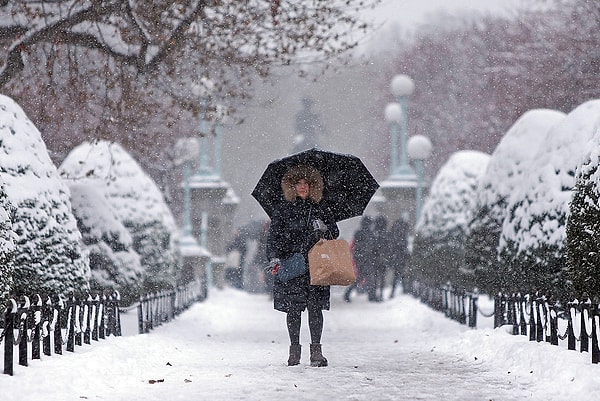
pixel 296 225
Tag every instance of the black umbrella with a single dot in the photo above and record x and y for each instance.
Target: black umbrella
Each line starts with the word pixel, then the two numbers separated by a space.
pixel 348 184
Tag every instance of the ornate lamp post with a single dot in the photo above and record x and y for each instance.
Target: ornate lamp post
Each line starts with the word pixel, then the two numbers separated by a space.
pixel 393 115
pixel 212 199
pixel 402 87
pixel 398 190
pixel 419 149
pixel 195 256
pixel 203 90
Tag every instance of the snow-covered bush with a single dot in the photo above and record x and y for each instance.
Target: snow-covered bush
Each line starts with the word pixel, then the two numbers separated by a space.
pixel 7 246
pixel 113 261
pixel 509 165
pixel 533 238
pixel 48 255
pixel 583 230
pixel 438 249
pixel 137 202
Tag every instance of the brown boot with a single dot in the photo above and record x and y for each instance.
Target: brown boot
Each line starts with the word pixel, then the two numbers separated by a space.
pixel 295 351
pixel 316 356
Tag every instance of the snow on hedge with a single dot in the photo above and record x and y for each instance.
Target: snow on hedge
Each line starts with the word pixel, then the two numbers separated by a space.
pixel 451 199
pixel 533 238
pixel 539 205
pixel 440 234
pixel 511 161
pixel 137 202
pixel 509 165
pixel 48 256
pixel 113 261
pixel 583 229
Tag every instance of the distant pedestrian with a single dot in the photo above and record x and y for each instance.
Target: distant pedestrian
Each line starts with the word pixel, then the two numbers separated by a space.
pixel 380 256
pixel 362 256
pixel 260 258
pixel 236 252
pixel 399 250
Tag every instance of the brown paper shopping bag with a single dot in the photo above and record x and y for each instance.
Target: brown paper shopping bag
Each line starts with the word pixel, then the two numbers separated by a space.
pixel 330 263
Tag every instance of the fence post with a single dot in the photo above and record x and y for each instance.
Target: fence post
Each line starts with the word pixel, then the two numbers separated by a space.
pixel 172 305
pixel 512 313
pixel 117 314
pixel 463 309
pixel 102 312
pixel 47 319
pixel 554 323
pixel 78 314
pixel 445 303
pixel 547 319
pixel 583 335
pixel 87 306
pixel 523 320
pixel 113 317
pixel 532 317
pixel 9 335
pixel 140 309
pixel 473 309
pixel 498 310
pixel 109 314
pixel 37 321
pixel 23 311
pixel 57 324
pixel 539 337
pixel 71 323
pixel 95 314
pixel 595 350
pixel 150 311
pixel 570 332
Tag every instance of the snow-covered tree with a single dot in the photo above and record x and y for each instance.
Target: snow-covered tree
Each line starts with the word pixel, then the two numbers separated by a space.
pixel 7 245
pixel 533 238
pixel 438 249
pixel 48 255
pixel 469 66
pixel 508 166
pixel 113 261
pixel 122 70
pixel 145 36
pixel 137 202
pixel 583 229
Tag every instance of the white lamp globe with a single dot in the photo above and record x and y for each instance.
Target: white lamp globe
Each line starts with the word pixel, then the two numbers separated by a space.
pixel 393 113
pixel 402 85
pixel 419 147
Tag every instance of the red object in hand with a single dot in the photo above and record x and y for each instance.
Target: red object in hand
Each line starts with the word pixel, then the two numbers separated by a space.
pixel 275 269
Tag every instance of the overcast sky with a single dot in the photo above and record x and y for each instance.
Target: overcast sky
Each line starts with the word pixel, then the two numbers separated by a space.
pixel 416 11
pixel 404 15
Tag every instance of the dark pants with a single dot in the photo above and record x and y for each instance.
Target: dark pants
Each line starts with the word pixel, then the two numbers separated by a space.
pixel 315 325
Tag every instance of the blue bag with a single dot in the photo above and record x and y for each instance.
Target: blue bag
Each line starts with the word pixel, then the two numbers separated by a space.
pixel 292 267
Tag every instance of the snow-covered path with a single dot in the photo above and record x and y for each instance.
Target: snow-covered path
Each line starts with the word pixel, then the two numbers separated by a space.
pixel 234 347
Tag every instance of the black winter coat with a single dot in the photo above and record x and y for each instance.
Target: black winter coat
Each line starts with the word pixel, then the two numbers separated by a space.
pixel 363 250
pixel 291 231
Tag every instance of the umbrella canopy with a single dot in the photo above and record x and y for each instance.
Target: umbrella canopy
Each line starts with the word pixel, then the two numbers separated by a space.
pixel 348 184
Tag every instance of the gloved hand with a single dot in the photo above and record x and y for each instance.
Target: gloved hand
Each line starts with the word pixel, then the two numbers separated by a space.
pixel 273 266
pixel 318 225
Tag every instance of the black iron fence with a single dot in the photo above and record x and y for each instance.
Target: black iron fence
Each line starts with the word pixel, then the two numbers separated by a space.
pixel 160 307
pixel 574 326
pixel 543 321
pixel 456 304
pixel 49 324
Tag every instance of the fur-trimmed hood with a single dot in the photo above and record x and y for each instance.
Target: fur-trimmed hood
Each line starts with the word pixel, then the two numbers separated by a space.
pixel 295 174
